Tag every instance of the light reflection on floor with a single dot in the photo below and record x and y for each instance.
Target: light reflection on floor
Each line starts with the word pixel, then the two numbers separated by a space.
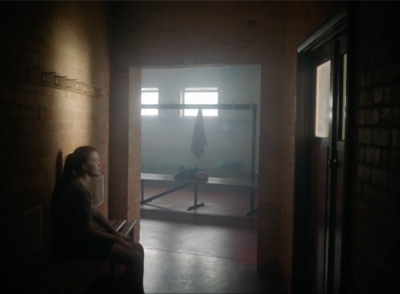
pixel 208 250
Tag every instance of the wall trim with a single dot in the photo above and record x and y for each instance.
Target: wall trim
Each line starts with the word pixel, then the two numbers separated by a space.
pixel 39 76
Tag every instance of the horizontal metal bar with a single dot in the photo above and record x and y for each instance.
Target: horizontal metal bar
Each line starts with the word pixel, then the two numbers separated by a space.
pixel 165 193
pixel 197 106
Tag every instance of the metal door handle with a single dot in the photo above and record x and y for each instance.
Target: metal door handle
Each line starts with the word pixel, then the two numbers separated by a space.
pixel 332 163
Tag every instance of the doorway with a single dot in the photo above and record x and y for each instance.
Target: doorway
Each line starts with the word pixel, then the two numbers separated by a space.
pixel 320 159
pixel 229 150
pixel 228 154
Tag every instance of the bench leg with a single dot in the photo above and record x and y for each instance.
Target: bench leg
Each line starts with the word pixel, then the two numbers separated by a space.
pixel 196 205
pixel 252 210
pixel 141 190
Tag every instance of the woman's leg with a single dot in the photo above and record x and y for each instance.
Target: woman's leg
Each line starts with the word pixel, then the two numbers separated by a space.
pixel 133 259
pixel 139 248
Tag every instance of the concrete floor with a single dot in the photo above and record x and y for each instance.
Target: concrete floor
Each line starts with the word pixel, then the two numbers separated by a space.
pixel 208 250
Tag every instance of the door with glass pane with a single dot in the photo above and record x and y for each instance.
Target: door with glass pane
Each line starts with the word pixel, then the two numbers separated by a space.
pixel 320 163
pixel 319 171
pixel 328 65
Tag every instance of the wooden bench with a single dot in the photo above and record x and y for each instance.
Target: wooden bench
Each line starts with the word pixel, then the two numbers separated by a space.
pixel 182 183
pixel 64 275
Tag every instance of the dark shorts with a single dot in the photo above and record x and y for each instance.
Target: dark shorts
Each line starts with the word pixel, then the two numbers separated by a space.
pixel 92 248
pixel 98 247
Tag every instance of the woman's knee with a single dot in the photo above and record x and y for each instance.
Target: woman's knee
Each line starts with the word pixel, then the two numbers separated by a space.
pixel 137 247
pixel 135 257
pixel 140 249
pixel 123 255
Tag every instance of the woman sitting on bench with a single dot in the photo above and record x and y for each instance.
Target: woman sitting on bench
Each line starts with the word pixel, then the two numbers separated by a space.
pixel 76 219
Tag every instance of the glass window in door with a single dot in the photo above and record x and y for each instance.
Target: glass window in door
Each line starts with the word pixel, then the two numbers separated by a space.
pixel 323 104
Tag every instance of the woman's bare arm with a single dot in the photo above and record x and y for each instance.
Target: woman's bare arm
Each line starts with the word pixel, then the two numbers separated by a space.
pixel 102 220
pixel 99 218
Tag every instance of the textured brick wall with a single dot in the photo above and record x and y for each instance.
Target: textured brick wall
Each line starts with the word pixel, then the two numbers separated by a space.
pixel 376 198
pixel 125 146
pixel 40 120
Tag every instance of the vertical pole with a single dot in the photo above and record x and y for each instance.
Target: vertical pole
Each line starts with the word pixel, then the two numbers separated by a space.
pixel 141 190
pixel 253 158
pixel 253 144
pixel 195 195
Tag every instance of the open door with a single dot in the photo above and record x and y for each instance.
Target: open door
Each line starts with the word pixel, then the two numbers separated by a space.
pixel 320 159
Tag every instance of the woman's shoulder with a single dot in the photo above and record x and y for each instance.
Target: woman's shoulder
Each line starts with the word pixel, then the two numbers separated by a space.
pixel 74 187
pixel 77 185
pixel 74 192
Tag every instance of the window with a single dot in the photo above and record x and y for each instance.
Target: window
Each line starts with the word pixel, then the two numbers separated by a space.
pixel 200 96
pixel 323 107
pixel 149 96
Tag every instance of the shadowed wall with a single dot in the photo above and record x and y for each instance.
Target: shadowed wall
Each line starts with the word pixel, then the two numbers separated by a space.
pixel 43 119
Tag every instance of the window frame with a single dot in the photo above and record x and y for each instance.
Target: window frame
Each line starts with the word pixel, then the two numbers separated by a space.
pixel 150 111
pixel 192 112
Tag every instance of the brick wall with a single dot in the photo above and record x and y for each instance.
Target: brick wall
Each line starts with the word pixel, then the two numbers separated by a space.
pixel 375 210
pixel 43 121
pixel 125 147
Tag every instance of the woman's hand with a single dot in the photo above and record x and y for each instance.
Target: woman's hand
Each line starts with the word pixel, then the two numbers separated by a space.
pixel 124 237
pixel 124 241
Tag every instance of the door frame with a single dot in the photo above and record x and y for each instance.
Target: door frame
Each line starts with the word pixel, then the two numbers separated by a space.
pixel 301 267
